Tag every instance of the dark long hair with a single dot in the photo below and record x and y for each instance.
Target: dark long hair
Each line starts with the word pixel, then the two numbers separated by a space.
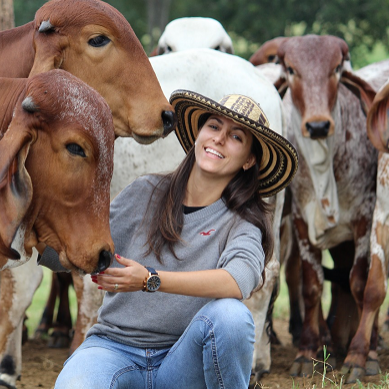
pixel 241 196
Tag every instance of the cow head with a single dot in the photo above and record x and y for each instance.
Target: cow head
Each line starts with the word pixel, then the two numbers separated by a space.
pixel 313 67
pixel 377 120
pixel 93 41
pixel 194 33
pixel 56 163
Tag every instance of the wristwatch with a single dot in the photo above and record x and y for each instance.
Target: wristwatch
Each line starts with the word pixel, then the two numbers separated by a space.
pixel 152 282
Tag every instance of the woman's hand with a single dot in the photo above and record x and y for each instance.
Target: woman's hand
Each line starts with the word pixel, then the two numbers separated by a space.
pixel 125 279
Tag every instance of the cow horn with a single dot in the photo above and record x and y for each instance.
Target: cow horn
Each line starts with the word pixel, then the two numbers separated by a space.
pixel 45 26
pixel 29 105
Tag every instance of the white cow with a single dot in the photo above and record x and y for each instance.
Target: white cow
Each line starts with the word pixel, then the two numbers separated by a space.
pixel 193 33
pixel 376 74
pixel 213 74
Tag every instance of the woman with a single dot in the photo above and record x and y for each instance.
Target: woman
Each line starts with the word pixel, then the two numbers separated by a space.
pixel 197 240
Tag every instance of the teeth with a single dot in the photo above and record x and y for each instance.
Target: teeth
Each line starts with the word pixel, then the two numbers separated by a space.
pixel 214 152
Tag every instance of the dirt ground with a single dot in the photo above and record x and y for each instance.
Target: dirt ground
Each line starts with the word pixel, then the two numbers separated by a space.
pixel 41 365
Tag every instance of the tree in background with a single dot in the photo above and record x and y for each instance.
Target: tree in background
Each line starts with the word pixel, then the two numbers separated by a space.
pixel 361 23
pixel 7 19
pixel 158 12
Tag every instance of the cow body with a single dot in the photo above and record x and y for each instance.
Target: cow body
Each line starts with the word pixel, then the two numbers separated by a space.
pixel 213 74
pixel 56 162
pixel 333 193
pixel 376 74
pixel 362 351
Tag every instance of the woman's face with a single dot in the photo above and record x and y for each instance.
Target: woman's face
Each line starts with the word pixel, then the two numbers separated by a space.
pixel 223 147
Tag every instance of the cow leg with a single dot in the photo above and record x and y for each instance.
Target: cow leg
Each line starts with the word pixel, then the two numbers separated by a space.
pixel 17 288
pixel 343 315
pixel 293 281
pixel 60 337
pixel 368 286
pixel 89 300
pixel 260 304
pixel 312 281
pixel 278 202
pixel 290 257
pixel 46 321
pixel 361 346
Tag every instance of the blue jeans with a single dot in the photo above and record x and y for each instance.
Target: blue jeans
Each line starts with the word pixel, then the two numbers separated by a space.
pixel 214 352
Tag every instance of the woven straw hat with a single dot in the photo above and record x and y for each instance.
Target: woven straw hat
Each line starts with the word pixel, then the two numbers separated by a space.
pixel 279 159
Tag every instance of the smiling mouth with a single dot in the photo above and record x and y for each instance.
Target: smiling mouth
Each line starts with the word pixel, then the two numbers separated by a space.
pixel 214 152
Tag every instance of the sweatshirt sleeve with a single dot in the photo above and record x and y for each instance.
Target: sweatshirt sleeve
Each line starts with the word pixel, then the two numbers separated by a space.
pixel 244 258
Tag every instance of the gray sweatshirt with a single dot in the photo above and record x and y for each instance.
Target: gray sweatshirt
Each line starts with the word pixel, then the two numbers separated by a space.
pixel 212 237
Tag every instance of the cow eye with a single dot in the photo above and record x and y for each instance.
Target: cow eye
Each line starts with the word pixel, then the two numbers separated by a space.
pixel 169 49
pixel 338 68
pixel 217 48
pixel 75 149
pixel 290 70
pixel 99 41
pixel 271 58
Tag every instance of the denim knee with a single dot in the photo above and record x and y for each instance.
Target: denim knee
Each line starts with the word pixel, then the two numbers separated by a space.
pixel 232 315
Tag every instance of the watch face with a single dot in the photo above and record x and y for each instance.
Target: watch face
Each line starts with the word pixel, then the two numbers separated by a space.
pixel 153 283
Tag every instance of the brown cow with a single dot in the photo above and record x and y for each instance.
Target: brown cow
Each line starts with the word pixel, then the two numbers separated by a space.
pixel 362 354
pixel 56 164
pixel 333 193
pixel 93 41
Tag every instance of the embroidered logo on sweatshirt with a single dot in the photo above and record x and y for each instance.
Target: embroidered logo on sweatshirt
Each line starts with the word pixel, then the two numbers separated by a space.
pixel 207 233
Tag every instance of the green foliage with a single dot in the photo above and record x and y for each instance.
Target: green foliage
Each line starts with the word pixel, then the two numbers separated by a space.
pixel 24 10
pixel 359 22
pixel 362 23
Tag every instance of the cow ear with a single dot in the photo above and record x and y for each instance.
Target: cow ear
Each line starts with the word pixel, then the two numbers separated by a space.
pixel 15 185
pixel 281 85
pixel 378 120
pixel 360 88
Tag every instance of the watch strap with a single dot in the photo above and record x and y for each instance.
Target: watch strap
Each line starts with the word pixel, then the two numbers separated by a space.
pixel 151 270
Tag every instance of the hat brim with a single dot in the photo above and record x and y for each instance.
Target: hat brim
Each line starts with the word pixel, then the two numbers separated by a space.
pixel 279 160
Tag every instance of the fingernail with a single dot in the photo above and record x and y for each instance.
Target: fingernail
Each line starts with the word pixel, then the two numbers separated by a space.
pixel 94 280
pixel 100 287
pixel 117 256
pixel 101 272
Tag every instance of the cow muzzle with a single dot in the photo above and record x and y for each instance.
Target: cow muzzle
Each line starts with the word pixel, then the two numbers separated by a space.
pixel 318 130
pixel 169 120
pixel 105 260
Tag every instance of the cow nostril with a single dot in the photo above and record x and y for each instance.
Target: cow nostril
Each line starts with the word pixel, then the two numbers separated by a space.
pixel 105 260
pixel 318 129
pixel 169 120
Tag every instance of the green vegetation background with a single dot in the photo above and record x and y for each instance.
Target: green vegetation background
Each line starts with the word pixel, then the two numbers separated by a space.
pixel 363 24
